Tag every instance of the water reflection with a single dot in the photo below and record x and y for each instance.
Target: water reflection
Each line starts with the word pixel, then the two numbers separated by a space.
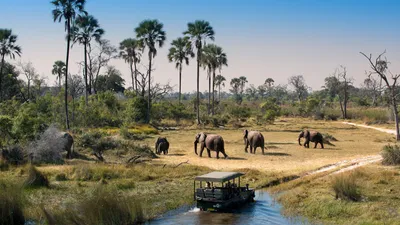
pixel 263 211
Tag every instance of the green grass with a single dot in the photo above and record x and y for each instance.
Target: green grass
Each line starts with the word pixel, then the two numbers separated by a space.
pixel 391 155
pixel 11 204
pixel 345 187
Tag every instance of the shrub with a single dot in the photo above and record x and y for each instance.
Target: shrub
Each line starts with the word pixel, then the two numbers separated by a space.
pixel 3 165
pixel 48 148
pixel 345 187
pixel 5 129
pixel 270 109
pixel 128 135
pixel 240 112
pixel 136 110
pixel 35 178
pixel 13 155
pixel 391 155
pixel 11 205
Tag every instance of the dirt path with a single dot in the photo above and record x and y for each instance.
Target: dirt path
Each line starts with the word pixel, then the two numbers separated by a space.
pixel 347 165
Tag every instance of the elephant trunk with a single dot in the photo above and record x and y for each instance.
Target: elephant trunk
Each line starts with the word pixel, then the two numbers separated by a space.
pixel 195 147
pixel 299 140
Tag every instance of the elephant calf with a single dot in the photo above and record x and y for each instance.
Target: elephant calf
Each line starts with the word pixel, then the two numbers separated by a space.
pixel 212 142
pixel 254 139
pixel 162 145
pixel 313 136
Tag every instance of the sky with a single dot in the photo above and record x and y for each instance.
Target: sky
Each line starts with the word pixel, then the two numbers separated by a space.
pixel 262 38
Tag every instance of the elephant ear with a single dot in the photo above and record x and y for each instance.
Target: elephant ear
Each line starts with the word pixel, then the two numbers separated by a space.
pixel 203 137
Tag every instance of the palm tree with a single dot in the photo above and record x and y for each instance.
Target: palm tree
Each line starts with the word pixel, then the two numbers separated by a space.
pixel 213 58
pixel 219 80
pixel 86 28
pixel 199 32
pixel 67 10
pixel 130 51
pixel 7 47
pixel 58 70
pixel 243 81
pixel 180 52
pixel 151 33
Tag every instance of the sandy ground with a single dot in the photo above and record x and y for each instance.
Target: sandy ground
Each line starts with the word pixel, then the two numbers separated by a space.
pixel 355 147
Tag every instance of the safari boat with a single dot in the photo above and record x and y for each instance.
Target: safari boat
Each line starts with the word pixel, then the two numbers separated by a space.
pixel 221 191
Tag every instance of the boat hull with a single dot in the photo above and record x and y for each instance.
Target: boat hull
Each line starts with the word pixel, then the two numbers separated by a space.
pixel 209 204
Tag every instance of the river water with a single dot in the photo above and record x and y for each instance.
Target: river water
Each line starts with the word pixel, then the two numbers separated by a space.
pixel 265 210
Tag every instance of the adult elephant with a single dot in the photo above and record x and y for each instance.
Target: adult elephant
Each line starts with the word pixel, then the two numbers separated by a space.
pixel 68 142
pixel 313 136
pixel 162 145
pixel 212 142
pixel 254 139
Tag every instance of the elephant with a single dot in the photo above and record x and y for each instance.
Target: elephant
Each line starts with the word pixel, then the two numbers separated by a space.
pixel 254 139
pixel 212 142
pixel 68 142
pixel 162 145
pixel 313 136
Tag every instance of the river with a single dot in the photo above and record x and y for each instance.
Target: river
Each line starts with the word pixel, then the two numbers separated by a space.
pixel 265 210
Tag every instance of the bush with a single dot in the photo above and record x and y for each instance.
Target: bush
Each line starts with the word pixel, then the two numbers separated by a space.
pixel 391 155
pixel 271 110
pixel 13 155
pixel 35 178
pixel 3 165
pixel 5 129
pixel 240 112
pixel 11 205
pixel 128 135
pixel 136 110
pixel 345 187
pixel 48 148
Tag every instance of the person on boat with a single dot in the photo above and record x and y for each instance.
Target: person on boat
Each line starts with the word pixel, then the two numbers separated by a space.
pixel 208 185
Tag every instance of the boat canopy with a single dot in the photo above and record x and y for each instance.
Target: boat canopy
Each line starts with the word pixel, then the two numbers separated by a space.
pixel 218 176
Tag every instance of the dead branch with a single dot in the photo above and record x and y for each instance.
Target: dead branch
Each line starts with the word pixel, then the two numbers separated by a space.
pixel 187 162
pixel 133 159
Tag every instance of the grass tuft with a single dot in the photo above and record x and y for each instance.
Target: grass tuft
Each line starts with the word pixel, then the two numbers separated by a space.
pixel 11 205
pixel 391 155
pixel 345 187
pixel 35 178
pixel 61 177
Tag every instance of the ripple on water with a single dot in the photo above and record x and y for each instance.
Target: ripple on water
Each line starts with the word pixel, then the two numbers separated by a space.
pixel 265 210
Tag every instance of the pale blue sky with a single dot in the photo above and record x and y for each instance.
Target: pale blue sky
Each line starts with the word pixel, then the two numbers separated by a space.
pixel 265 38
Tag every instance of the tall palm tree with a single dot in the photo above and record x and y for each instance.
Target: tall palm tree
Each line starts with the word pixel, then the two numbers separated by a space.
pixel 130 51
pixel 219 80
pixel 151 33
pixel 7 47
pixel 213 58
pixel 180 52
pixel 58 70
pixel 199 32
pixel 67 10
pixel 85 29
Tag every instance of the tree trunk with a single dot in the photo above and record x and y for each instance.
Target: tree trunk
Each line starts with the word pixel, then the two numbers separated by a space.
pixel 29 87
pixel 219 93
pixel 345 101
pixel 198 85
pixel 59 80
pixel 396 114
pixel 66 73
pixel 91 76
pixel 136 79
pixel 148 93
pixel 213 85
pixel 133 80
pixel 209 94
pixel 85 76
pixel 180 82
pixel 1 76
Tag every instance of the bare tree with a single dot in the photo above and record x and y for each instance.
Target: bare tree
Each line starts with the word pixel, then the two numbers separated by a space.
pixel 344 82
pixel 158 91
pixel 300 86
pixel 379 67
pixel 76 88
pixel 373 88
pixel 30 73
pixel 99 57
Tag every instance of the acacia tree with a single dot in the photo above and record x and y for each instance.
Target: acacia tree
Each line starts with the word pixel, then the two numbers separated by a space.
pixel 379 67
pixel 86 28
pixel 299 85
pixel 199 32
pixel 151 33
pixel 58 70
pixel 180 52
pixel 67 10
pixel 219 80
pixel 7 48
pixel 130 51
pixel 30 73
pixel 237 90
pixel 213 58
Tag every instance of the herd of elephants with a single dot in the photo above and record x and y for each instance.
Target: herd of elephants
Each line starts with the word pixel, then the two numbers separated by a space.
pixel 254 139
pixel 214 142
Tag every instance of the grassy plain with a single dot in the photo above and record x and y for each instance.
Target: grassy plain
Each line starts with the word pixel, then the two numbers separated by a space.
pixel 160 184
